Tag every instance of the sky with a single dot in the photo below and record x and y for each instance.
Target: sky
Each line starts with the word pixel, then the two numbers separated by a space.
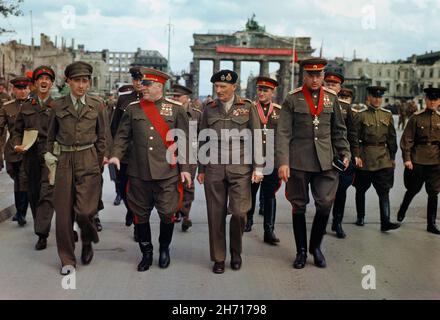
pixel 377 30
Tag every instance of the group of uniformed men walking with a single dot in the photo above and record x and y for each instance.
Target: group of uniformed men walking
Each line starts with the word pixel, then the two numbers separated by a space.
pixel 316 138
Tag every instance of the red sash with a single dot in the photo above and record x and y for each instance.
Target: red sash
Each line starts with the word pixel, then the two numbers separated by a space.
pixel 263 118
pixel 314 110
pixel 159 124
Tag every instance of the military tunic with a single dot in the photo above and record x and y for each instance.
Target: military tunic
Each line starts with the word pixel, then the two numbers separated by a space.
pixel 309 149
pixel 35 115
pixel 227 184
pixel 81 137
pixel 4 97
pixel 377 149
pixel 153 182
pixel 420 144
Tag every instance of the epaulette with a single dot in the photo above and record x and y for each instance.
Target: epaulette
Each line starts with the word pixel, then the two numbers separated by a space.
pixel 9 102
pixel 299 89
pixel 276 105
pixel 174 101
pixel 386 110
pixel 132 103
pixel 212 104
pixel 438 112
pixel 243 101
pixel 195 109
pixel 421 111
pixel 343 101
pixel 123 93
pixel 364 108
pixel 330 91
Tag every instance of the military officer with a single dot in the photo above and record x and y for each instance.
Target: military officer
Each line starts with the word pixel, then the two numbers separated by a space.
pixel 182 94
pixel 4 97
pixel 14 161
pixel 310 135
pixel 127 95
pixel 420 146
pixel 34 115
pixel 153 180
pixel 376 156
pixel 228 184
pixel 346 95
pixel 269 114
pixel 77 137
pixel 333 81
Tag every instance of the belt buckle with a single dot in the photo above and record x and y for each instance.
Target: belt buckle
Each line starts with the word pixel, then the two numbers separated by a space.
pixel 75 148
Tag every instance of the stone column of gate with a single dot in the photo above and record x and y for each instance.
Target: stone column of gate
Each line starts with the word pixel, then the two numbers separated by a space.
pixel 284 87
pixel 195 71
pixel 264 68
pixel 237 69
pixel 215 68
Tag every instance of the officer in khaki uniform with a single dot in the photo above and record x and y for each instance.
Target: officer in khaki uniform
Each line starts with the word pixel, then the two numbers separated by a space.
pixel 311 134
pixel 154 178
pixel 77 137
pixel 228 184
pixel 182 94
pixel 420 146
pixel 333 81
pixel 127 95
pixel 376 154
pixel 34 115
pixel 14 160
pixel 269 114
pixel 4 97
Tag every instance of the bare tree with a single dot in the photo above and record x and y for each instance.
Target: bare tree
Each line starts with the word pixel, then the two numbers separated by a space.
pixel 9 8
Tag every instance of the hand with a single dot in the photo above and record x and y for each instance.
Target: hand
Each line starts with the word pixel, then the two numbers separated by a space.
pixel 257 176
pixel 186 176
pixel 201 178
pixel 20 149
pixel 116 162
pixel 409 165
pixel 105 161
pixel 346 163
pixel 284 173
pixel 359 163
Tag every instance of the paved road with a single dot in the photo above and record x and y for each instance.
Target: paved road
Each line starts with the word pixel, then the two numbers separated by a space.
pixel 406 261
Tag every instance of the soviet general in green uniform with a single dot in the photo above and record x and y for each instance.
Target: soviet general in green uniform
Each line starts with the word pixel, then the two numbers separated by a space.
pixel 77 137
pixel 228 184
pixel 375 156
pixel 420 146
pixel 153 179
pixel 311 133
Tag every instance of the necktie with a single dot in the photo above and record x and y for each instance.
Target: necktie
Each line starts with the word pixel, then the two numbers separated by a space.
pixel 79 105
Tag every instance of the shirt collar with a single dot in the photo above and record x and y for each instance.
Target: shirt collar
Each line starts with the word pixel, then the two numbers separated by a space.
pixel 74 99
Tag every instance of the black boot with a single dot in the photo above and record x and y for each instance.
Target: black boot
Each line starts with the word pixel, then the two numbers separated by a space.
pixel 404 206
pixel 144 234
pixel 300 233
pixel 360 209
pixel 118 200
pixel 318 228
pixel 385 224
pixel 22 206
pixel 129 218
pixel 338 215
pixel 432 215
pixel 249 222
pixel 270 207
pixel 166 235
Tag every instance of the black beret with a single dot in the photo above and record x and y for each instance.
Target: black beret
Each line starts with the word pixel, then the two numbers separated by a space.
pixel 432 93
pixel 227 76
pixel 78 69
pixel 376 91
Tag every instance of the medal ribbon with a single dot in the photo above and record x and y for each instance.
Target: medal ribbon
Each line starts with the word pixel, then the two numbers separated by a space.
pixel 263 118
pixel 313 110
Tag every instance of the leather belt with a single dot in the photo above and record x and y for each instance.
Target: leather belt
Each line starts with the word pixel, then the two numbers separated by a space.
pixel 75 148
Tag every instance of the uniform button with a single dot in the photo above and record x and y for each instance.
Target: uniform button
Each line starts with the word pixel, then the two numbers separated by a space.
pixel 151 128
pixel 151 138
pixel 316 139
pixel 316 128
pixel 150 148
pixel 264 141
